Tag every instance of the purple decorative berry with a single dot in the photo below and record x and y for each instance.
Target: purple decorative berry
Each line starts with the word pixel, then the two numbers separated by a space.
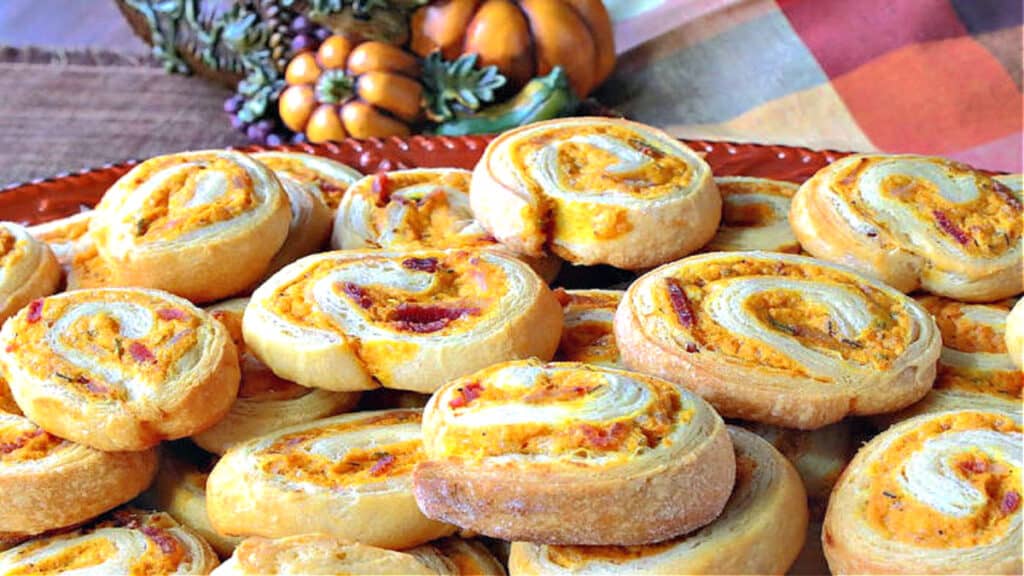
pixel 301 24
pixel 256 132
pixel 238 124
pixel 298 138
pixel 322 34
pixel 274 140
pixel 233 104
pixel 301 43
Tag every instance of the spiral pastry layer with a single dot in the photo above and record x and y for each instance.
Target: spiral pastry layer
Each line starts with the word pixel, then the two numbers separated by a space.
pixel 779 338
pixel 588 335
pixel 324 554
pixel 415 210
pixel 309 228
pixel 411 320
pixel 327 178
pixel 760 531
pixel 202 225
pixel 63 235
pixel 357 466
pixel 265 402
pixel 755 215
pixel 595 191
pixel 48 483
pixel 975 370
pixel 119 368
pixel 939 493
pixel 518 448
pixel 126 542
pixel 1015 334
pixel 915 222
pixel 28 269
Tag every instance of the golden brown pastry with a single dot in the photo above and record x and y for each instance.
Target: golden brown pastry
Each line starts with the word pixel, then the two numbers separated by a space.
pixel 1015 334
pixel 119 368
pixel 323 554
pixel 568 453
pixel 351 319
pixel 936 494
pixel 595 191
pixel 349 476
pixel 310 225
pixel 265 402
pixel 588 335
pixel 202 225
pixel 48 483
pixel 126 542
pixel 975 370
pixel 180 490
pixel 63 235
pixel 28 269
pixel 915 222
pixel 779 338
pixel 755 215
pixel 760 531
pixel 7 403
pixel 415 210
pixel 330 179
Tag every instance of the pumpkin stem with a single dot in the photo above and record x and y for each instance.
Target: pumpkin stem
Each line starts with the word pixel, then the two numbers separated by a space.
pixel 334 87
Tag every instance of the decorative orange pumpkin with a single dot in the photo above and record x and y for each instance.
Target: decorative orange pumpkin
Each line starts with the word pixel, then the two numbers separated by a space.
pixel 523 38
pixel 363 90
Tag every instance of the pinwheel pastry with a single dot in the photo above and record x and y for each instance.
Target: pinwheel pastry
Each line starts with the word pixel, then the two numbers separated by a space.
pixel 28 269
pixel 203 225
pixel 63 235
pixel 779 338
pixel 518 449
pixel 119 368
pixel 411 320
pixel 323 554
pixel 180 490
pixel 760 531
pixel 915 222
pixel 127 542
pixel 755 215
pixel 936 494
pixel 310 225
pixel 48 483
pixel 328 178
pixel 596 191
pixel 588 335
pixel 265 402
pixel 414 210
pixel 1015 334
pixel 975 370
pixel 356 466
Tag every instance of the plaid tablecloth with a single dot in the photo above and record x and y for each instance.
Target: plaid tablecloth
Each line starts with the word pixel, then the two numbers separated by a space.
pixel 929 76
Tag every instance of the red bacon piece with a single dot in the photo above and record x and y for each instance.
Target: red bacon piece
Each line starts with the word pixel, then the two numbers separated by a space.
pixel 604 438
pixel 171 314
pixel 162 539
pixel 140 353
pixel 1011 500
pixel 8 447
pixel 357 293
pixel 680 303
pixel 424 319
pixel 382 465
pixel 420 264
pixel 950 228
pixel 973 466
pixel 467 394
pixel 1004 192
pixel 35 311
pixel 382 189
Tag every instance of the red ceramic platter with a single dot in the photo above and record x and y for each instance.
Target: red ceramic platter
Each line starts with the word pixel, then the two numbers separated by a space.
pixel 66 194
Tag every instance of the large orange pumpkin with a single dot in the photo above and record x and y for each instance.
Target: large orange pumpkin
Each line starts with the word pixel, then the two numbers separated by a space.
pixel 523 38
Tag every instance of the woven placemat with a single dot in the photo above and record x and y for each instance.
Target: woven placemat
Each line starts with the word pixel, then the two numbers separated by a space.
pixel 65 110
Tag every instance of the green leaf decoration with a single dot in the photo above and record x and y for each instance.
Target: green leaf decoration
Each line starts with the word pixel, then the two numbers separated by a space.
pixel 459 82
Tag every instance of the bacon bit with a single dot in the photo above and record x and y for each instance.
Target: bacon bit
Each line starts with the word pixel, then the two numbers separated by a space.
pixel 1011 500
pixel 382 188
pixel 646 150
pixel 171 314
pixel 680 303
pixel 973 466
pixel 383 465
pixel 421 264
pixel 1004 192
pixel 8 447
pixel 604 438
pixel 35 311
pixel 692 348
pixel 94 387
pixel 426 319
pixel 10 347
pixel 140 353
pixel 563 297
pixel 165 541
pixel 358 294
pixel 467 394
pixel 949 228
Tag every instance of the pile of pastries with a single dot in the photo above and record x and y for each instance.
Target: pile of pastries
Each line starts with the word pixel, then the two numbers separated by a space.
pixel 269 363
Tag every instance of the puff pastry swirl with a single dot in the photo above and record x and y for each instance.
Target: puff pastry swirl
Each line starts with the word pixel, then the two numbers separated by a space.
pixel 588 335
pixel 63 235
pixel 119 368
pixel 915 222
pixel 28 269
pixel 779 338
pixel 202 225
pixel 265 402
pixel 357 466
pixel 938 494
pixel 755 215
pixel 595 191
pixel 127 542
pixel 328 178
pixel 410 320
pixel 517 448
pixel 760 531
pixel 1015 334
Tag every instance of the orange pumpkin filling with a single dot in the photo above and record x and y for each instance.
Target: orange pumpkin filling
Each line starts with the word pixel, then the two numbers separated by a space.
pixel 588 341
pixel 900 516
pixel 67 232
pixel 750 214
pixel 85 554
pixel 90 270
pixel 289 455
pixel 24 442
pixel 332 190
pixel 166 213
pixel 12 250
pixel 985 227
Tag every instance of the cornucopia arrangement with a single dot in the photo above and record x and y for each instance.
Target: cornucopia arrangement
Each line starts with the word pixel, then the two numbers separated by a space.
pixel 277 363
